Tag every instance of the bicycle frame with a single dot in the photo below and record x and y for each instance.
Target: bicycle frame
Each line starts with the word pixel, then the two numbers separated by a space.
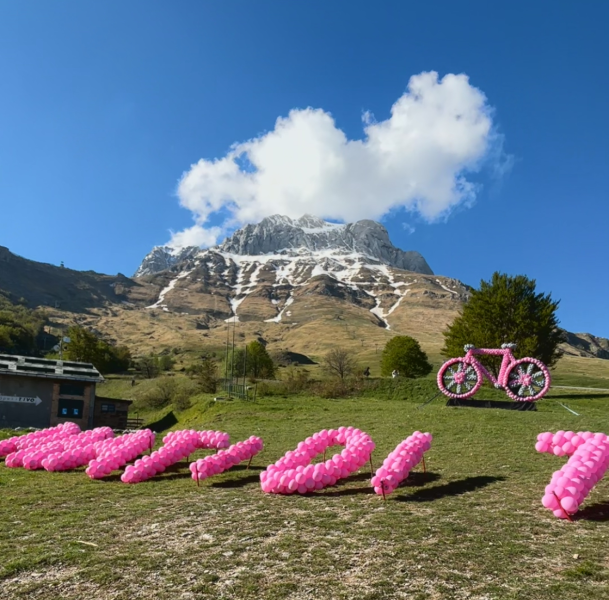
pixel 507 361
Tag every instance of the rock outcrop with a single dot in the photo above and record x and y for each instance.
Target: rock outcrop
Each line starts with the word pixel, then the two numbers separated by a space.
pixel 307 236
pixel 162 258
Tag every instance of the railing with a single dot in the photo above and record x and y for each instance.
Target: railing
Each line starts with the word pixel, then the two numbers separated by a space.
pixel 135 423
pixel 236 390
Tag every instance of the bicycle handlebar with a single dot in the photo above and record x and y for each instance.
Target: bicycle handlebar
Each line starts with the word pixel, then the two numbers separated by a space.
pixel 508 346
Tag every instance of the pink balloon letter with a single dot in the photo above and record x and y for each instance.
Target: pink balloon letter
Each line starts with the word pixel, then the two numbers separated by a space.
pixel 294 473
pixel 589 460
pixel 399 463
pixel 225 459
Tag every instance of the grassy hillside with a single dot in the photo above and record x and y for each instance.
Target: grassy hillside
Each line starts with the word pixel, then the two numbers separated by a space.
pixel 471 527
pixel 20 326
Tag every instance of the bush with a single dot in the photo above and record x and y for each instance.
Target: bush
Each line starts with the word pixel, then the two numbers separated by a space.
pixel 166 362
pixel 268 388
pixel 161 394
pixel 176 391
pixel 403 354
pixel 333 388
pixel 296 380
pixel 205 374
pixel 148 366
pixel 181 401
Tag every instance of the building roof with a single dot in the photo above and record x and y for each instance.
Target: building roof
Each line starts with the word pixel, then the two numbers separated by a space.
pixel 104 399
pixel 30 366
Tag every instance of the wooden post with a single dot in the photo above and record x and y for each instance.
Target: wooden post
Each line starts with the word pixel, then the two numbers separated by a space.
pixel 371 467
pixel 383 489
pixel 424 467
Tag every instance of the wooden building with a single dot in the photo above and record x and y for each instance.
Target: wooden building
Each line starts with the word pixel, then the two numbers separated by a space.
pixel 111 412
pixel 38 392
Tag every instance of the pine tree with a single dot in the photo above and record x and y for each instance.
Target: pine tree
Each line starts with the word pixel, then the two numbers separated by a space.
pixel 507 309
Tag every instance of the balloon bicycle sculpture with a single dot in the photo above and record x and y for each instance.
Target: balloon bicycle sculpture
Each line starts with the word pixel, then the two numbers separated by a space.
pixel 523 380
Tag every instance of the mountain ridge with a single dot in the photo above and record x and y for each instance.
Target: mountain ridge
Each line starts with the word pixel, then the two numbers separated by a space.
pixel 306 297
pixel 307 235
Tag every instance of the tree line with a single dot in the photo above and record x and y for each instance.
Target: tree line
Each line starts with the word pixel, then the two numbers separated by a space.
pixel 504 309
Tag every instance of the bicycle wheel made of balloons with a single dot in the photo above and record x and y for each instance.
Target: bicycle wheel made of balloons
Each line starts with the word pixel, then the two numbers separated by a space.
pixel 458 379
pixel 527 380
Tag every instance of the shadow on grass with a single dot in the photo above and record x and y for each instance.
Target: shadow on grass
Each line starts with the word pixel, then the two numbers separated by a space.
pixel 176 471
pixel 343 490
pixel 180 470
pixel 594 512
pixel 240 482
pixel 169 420
pixel 419 479
pixel 414 480
pixel 454 488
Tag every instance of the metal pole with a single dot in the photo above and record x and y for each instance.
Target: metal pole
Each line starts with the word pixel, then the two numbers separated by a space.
pixel 226 359
pixel 244 368
pixel 232 370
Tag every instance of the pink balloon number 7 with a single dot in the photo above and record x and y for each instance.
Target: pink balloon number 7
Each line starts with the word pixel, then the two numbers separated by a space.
pixel 588 462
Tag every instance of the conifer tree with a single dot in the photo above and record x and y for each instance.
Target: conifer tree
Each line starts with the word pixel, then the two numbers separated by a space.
pixel 507 309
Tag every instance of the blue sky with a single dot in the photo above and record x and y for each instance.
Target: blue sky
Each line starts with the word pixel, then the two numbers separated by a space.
pixel 104 106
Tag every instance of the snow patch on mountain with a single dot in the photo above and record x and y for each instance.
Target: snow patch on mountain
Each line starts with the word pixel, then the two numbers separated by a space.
pixel 166 290
pixel 308 236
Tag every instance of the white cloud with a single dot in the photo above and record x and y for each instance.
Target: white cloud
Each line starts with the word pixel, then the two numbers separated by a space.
pixel 195 236
pixel 417 159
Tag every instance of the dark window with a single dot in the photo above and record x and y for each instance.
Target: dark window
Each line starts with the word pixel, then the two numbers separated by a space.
pixel 108 408
pixel 71 389
pixel 70 409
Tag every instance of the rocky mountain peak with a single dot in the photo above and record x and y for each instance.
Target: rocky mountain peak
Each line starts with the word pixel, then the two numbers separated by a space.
pixel 161 258
pixel 307 236
pixel 310 234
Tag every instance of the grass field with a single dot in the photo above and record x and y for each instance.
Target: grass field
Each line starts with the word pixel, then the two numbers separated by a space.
pixel 471 527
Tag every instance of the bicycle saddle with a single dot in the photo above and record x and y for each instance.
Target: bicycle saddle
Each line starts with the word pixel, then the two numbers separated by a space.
pixel 509 346
pixel 468 347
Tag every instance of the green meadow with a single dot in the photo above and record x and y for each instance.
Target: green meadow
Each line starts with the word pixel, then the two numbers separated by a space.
pixel 471 526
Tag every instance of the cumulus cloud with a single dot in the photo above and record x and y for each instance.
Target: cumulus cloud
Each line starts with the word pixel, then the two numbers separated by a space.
pixel 418 159
pixel 196 235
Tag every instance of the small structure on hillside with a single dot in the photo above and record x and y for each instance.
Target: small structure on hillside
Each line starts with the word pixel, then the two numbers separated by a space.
pixel 38 392
pixel 111 412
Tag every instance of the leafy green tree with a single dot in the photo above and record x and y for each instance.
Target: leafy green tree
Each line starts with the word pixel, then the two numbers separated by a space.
pixel 259 362
pixel 20 326
pixel 148 366
pixel 205 373
pixel 85 346
pixel 256 362
pixel 403 354
pixel 166 362
pixel 507 309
